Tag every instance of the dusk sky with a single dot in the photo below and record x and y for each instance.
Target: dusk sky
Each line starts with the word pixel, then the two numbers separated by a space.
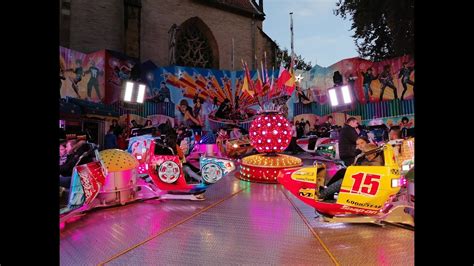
pixel 319 35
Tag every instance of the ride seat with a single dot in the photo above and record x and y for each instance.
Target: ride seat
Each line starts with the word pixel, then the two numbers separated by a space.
pixel 320 177
pixel 162 149
pixel 407 150
pixel 380 154
pixel 312 143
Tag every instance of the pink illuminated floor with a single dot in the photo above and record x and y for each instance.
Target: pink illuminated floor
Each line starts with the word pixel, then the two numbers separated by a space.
pixel 239 223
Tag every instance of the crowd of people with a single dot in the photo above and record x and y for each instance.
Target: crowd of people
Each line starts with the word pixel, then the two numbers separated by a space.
pixel 303 127
pixel 351 138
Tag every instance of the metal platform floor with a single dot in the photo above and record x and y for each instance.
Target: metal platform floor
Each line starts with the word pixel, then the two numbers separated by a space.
pixel 240 223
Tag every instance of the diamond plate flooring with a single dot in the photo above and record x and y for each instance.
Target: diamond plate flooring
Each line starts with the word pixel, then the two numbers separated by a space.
pixel 239 223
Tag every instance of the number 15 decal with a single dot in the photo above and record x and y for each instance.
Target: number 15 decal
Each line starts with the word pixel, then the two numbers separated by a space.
pixel 365 183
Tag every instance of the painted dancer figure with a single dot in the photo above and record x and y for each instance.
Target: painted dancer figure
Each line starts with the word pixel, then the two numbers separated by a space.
pixel 93 81
pixel 302 98
pixel 61 77
pixel 75 81
pixel 404 76
pixel 386 79
pixel 164 93
pixel 368 78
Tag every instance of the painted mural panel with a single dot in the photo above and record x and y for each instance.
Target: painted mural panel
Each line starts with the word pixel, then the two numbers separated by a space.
pixel 82 75
pixel 391 121
pixel 204 91
pixel 215 98
pixel 196 92
pixel 370 81
pixel 118 69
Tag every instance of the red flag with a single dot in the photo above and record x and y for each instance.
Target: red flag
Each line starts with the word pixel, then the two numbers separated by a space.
pixel 283 77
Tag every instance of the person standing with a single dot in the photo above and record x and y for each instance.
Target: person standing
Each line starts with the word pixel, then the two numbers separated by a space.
pixel 110 141
pixel 307 127
pixel 116 128
pixel 337 79
pixel 293 144
pixel 347 140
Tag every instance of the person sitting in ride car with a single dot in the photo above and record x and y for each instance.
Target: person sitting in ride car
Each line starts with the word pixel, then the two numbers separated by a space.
pixel 73 153
pixel 184 139
pixel 221 139
pixel 374 159
pixel 235 133
pixel 394 133
pixel 404 126
pixel 171 141
pixel 361 144
pixel 188 169
pixel 62 152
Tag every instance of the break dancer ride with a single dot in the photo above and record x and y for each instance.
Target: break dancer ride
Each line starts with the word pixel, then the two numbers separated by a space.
pixel 113 178
pixel 368 194
pixel 270 134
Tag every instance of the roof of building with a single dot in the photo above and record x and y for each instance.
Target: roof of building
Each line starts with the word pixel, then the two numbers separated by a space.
pixel 266 36
pixel 244 7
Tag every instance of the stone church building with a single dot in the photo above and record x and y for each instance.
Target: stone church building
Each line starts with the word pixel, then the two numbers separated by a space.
pixel 196 33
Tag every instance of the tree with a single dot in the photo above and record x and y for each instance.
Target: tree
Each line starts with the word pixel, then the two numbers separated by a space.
pixel 383 29
pixel 299 61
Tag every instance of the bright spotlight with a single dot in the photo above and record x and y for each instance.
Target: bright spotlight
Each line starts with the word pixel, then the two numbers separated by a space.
pixel 141 93
pixel 346 94
pixel 131 92
pixel 333 97
pixel 128 92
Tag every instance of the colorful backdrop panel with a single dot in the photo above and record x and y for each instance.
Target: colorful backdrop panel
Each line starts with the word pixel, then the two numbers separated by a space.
pixel 82 75
pixel 389 76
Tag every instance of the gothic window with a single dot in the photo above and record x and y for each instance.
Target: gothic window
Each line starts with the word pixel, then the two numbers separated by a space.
pixel 195 45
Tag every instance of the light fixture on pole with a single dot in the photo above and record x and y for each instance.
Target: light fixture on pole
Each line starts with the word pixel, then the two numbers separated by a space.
pixel 341 98
pixel 130 91
pixel 132 96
